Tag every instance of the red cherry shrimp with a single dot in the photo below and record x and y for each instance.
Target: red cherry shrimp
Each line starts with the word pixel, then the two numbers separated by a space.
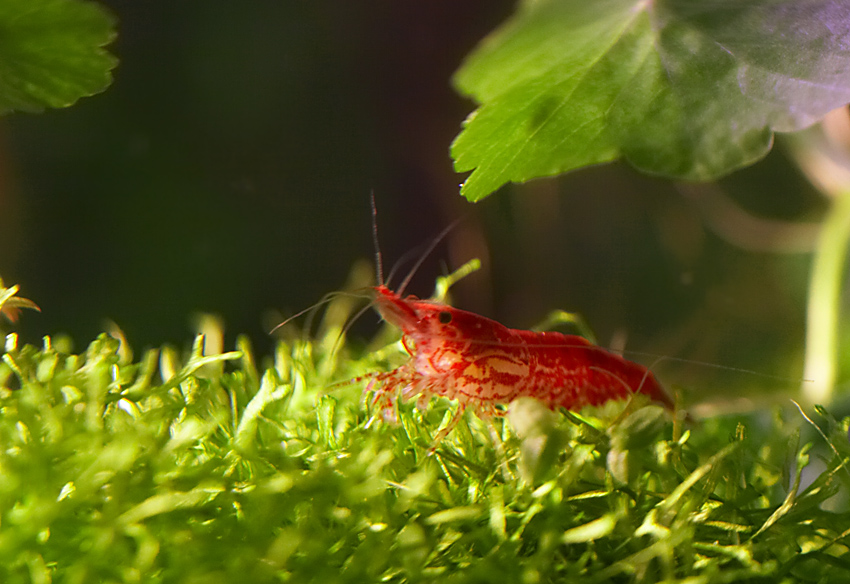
pixel 482 364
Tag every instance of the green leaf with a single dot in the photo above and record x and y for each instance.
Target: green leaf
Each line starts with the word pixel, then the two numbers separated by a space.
pixel 51 53
pixel 678 88
pixel 10 304
pixel 596 529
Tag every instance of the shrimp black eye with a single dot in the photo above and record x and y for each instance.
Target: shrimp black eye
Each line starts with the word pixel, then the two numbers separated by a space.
pixel 445 317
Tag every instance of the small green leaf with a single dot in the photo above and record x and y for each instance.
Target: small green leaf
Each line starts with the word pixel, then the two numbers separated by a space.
pixel 51 53
pixel 168 501
pixel 788 504
pixel 596 529
pixel 684 89
pixel 10 304
pixel 455 514
pixel 325 415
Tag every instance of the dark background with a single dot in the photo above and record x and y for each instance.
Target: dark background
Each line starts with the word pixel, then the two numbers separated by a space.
pixel 229 166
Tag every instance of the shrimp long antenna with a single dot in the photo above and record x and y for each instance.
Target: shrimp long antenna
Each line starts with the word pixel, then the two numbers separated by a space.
pixel 411 253
pixel 379 264
pixel 427 252
pixel 660 358
pixel 348 326
pixel 325 300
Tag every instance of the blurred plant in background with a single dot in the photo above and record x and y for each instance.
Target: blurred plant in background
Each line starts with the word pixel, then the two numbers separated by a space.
pixel 823 153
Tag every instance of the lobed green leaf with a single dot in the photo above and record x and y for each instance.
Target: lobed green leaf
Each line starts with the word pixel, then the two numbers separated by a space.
pixel 51 53
pixel 683 89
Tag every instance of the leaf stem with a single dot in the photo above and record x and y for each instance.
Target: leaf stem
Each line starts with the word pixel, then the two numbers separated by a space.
pixel 824 302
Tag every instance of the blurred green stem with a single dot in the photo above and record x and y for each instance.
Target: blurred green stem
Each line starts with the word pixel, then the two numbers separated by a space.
pixel 824 302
